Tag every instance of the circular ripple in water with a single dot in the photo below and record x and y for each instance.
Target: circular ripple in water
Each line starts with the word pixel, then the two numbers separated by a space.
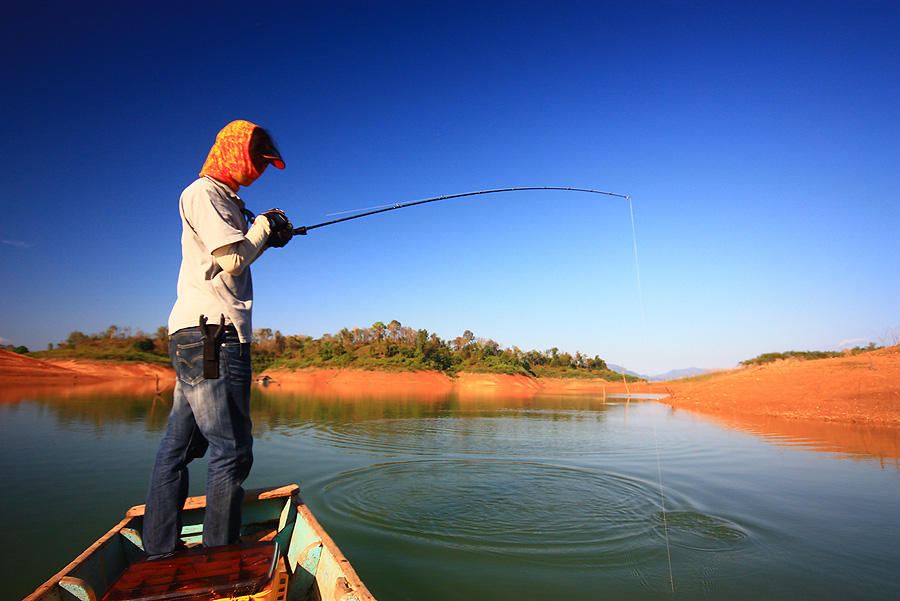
pixel 504 507
pixel 699 531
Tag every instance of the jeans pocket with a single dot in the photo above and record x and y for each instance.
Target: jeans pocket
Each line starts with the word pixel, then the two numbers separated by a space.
pixel 189 362
pixel 237 363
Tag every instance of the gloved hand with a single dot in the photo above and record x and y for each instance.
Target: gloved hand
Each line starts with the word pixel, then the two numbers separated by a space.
pixel 281 229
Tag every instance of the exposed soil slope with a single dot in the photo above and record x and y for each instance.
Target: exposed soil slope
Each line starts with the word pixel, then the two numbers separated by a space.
pixel 16 369
pixel 860 389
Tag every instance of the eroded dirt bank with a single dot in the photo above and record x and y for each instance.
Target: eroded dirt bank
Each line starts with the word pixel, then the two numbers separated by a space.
pixel 18 369
pixel 22 377
pixel 864 389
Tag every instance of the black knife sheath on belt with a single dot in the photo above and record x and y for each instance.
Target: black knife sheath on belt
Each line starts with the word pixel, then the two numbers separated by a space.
pixel 211 343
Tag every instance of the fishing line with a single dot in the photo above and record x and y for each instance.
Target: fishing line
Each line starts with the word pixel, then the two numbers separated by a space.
pixel 662 499
pixel 638 268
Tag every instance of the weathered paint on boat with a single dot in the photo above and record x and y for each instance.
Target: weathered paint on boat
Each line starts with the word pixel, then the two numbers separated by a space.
pixel 310 565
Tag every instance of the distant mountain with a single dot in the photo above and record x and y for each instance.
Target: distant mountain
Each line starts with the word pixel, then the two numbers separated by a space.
pixel 675 374
pixel 618 369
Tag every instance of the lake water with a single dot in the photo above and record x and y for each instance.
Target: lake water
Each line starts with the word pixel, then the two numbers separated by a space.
pixel 448 498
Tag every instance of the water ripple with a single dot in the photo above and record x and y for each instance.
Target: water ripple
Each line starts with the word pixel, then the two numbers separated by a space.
pixel 545 513
pixel 699 531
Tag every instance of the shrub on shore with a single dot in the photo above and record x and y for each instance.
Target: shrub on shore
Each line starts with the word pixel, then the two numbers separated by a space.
pixel 390 347
pixel 807 355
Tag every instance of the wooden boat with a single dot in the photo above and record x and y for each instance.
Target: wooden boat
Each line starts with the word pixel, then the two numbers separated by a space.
pixel 285 555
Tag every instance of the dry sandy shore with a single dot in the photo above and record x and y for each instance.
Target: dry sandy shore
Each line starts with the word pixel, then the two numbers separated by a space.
pixel 861 389
pixel 864 389
pixel 853 402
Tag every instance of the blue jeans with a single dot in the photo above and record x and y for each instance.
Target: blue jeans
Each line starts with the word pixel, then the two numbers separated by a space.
pixel 205 413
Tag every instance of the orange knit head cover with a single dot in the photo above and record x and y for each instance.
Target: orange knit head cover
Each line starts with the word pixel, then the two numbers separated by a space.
pixel 229 159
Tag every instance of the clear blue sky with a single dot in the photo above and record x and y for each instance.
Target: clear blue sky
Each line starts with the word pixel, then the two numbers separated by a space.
pixel 758 141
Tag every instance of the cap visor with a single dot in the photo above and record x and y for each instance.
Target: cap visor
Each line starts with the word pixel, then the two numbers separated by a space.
pixel 275 161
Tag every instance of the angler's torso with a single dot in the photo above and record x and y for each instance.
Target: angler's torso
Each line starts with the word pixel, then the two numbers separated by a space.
pixel 211 218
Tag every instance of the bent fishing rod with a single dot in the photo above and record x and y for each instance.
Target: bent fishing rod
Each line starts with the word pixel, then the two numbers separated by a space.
pixel 302 230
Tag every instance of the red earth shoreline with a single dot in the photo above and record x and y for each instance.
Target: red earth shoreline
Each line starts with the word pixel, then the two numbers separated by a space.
pixel 849 405
pixel 862 389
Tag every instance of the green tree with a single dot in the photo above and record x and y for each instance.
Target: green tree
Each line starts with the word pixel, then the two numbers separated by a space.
pixel 597 363
pixel 144 344
pixel 75 338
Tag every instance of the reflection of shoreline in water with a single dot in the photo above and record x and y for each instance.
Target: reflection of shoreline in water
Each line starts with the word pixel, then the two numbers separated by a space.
pixel 134 401
pixel 289 404
pixel 370 384
pixel 88 389
pixel 284 408
pixel 879 442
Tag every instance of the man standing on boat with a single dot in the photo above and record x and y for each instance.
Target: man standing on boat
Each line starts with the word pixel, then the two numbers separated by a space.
pixel 209 340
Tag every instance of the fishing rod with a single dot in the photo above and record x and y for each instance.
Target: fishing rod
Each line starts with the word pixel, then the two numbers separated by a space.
pixel 302 230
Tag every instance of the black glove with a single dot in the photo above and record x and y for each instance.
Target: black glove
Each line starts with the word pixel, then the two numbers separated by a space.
pixel 281 230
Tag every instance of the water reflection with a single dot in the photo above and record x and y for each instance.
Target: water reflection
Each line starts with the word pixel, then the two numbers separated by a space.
pixel 136 402
pixel 852 441
pixel 280 406
pixel 90 389
pixel 286 411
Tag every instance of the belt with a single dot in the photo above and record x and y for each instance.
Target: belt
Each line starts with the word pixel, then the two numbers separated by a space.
pixel 228 328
